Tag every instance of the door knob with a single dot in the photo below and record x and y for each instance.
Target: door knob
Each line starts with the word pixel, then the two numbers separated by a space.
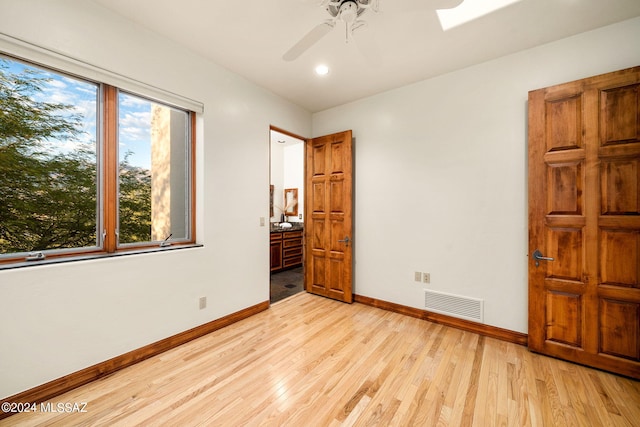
pixel 346 240
pixel 537 255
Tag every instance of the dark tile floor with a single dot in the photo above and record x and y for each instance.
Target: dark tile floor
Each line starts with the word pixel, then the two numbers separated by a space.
pixel 286 283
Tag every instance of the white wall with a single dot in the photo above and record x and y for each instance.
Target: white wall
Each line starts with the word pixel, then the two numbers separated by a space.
pixel 441 173
pixel 57 319
pixel 294 174
pixel 277 179
pixel 287 171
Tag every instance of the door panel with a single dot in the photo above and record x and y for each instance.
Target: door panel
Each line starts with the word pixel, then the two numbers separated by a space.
pixel 620 258
pixel 564 313
pixel 619 118
pixel 567 242
pixel 329 224
pixel 619 333
pixel 564 126
pixel 620 199
pixel 565 195
pixel 584 217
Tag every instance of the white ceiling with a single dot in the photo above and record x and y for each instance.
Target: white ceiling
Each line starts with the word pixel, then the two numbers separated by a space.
pixel 283 139
pixel 401 44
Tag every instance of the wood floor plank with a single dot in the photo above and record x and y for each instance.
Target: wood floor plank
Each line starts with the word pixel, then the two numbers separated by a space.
pixel 287 366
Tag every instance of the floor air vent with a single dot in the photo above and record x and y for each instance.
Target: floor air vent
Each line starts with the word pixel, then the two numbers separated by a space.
pixel 454 305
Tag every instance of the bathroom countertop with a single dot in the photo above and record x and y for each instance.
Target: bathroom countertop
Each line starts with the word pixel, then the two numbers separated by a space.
pixel 295 226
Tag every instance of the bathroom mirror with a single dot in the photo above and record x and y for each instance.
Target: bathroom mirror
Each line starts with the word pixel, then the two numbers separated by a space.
pixel 291 201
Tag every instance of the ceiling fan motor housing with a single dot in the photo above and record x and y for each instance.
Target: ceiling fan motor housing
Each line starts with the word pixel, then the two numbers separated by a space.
pixel 348 10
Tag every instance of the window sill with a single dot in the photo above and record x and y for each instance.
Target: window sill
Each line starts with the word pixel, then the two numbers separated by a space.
pixel 63 260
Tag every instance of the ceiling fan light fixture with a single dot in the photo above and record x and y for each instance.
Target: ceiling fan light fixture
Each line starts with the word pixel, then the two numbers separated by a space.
pixel 346 11
pixel 349 12
pixel 322 70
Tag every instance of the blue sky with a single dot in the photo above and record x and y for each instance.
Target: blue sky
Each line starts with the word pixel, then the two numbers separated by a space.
pixel 134 133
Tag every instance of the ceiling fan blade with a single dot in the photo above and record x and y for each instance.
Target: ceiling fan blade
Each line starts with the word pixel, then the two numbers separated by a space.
pixel 312 37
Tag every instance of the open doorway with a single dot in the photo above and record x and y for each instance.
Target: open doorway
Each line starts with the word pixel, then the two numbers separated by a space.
pixel 286 223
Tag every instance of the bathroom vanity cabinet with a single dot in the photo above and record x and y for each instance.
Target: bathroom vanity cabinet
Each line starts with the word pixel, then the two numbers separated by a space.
pixel 286 249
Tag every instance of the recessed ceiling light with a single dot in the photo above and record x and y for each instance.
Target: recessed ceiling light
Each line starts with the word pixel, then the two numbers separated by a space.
pixel 322 70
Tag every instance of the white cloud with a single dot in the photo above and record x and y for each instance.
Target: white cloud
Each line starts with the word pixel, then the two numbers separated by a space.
pixel 67 145
pixel 135 126
pixel 130 101
pixel 59 84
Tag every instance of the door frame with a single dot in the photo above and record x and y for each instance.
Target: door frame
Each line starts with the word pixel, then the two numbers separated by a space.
pixel 303 141
pixel 351 201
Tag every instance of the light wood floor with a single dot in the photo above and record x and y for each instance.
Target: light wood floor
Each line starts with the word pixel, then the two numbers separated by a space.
pixel 310 361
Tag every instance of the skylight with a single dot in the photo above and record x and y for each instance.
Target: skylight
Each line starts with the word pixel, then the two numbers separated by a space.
pixel 469 10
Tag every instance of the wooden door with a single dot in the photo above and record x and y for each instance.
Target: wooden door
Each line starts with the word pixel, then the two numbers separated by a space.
pixel 328 212
pixel 584 214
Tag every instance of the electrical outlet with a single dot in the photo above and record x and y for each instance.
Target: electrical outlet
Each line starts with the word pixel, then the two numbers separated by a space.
pixel 202 303
pixel 262 221
pixel 426 277
pixel 417 276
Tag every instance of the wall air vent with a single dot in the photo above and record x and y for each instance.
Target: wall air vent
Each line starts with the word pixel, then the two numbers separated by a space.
pixel 454 305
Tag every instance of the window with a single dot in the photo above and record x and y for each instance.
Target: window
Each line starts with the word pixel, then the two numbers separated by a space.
pixel 88 168
pixel 153 178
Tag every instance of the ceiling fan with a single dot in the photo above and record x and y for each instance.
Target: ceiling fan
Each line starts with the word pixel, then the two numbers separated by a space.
pixel 347 11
